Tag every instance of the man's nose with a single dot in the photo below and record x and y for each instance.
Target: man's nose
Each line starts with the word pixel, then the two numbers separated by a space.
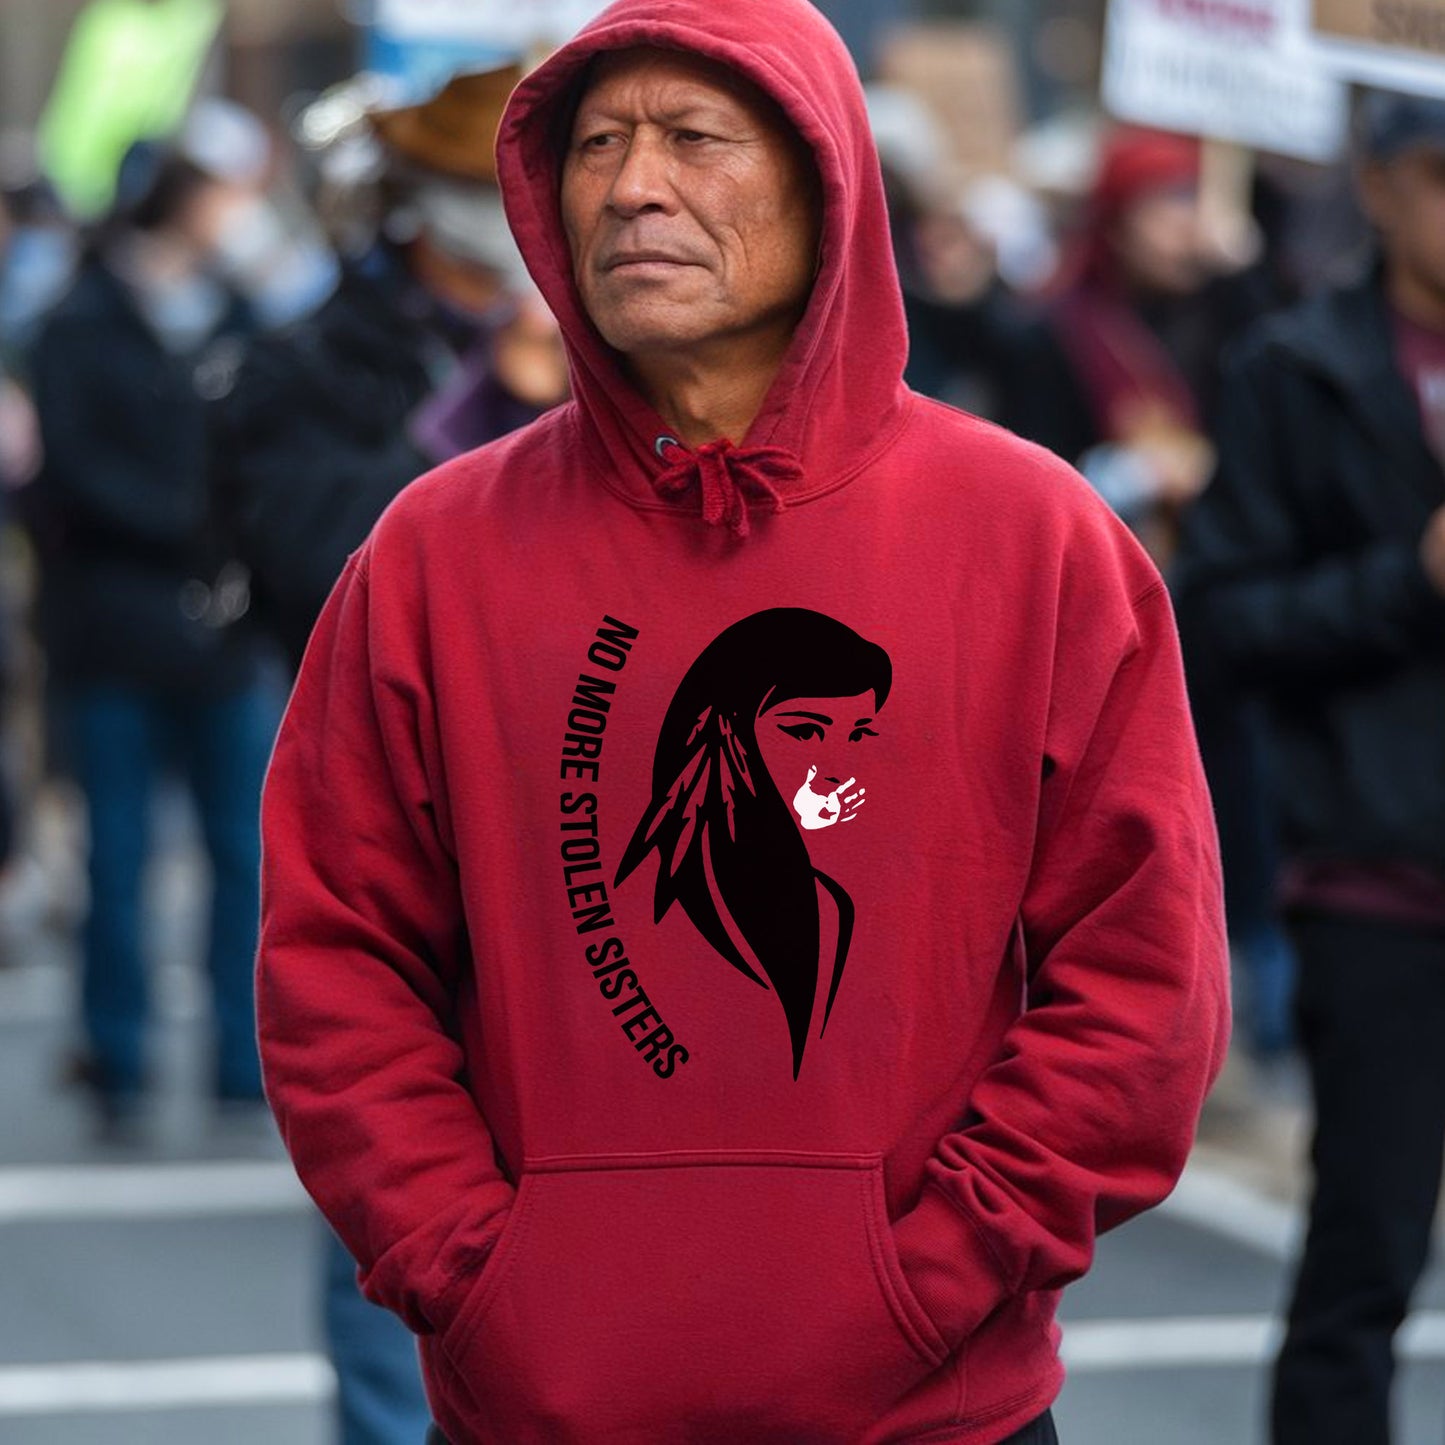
pixel 643 180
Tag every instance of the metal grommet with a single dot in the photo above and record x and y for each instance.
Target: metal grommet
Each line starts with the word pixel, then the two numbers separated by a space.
pixel 661 445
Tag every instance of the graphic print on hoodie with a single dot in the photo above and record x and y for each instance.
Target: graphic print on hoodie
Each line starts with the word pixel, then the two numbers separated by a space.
pixel 728 826
pixel 773 1113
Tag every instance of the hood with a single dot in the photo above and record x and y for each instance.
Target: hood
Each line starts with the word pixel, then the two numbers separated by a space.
pixel 838 398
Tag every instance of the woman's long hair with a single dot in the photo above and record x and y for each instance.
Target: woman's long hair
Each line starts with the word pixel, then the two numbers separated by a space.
pixel 727 844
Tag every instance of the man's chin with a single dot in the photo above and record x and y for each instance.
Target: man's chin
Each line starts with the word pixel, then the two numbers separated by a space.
pixel 657 331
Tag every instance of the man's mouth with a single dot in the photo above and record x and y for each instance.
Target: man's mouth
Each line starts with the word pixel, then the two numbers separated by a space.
pixel 644 258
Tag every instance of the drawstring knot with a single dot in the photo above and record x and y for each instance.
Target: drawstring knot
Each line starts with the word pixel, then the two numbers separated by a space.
pixel 727 477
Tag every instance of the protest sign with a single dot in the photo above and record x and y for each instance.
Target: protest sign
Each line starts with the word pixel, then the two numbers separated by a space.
pixel 1230 70
pixel 1396 44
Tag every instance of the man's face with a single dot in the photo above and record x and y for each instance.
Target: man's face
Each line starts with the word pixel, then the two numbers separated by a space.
pixel 1405 198
pixel 1157 242
pixel 690 208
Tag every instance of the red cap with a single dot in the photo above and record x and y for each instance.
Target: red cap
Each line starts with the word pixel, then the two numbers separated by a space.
pixel 1138 162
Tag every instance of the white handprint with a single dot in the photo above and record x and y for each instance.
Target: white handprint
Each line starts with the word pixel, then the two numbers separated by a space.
pixel 821 810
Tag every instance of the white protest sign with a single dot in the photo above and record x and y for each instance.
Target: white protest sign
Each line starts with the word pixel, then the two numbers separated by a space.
pixel 1396 44
pixel 1230 70
pixel 506 24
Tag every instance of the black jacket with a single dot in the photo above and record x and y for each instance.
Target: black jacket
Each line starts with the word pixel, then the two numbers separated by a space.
pixel 310 442
pixel 1301 568
pixel 120 510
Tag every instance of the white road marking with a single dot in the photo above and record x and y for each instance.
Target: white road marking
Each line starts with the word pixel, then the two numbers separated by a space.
pixel 1090 1347
pixel 1099 1346
pixel 101 1387
pixel 1212 1200
pixel 1095 1346
pixel 73 1193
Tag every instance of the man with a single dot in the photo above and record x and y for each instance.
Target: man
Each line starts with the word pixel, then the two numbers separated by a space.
pixel 662 1100
pixel 1316 563
pixel 150 656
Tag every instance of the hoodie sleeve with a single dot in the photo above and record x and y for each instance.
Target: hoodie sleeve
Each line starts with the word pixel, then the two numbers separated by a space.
pixel 1088 1112
pixel 363 942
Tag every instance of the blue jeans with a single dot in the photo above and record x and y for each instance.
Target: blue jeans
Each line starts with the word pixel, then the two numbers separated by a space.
pixel 380 1399
pixel 1269 975
pixel 121 737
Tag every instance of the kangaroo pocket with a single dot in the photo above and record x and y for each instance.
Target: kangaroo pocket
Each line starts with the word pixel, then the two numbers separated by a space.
pixel 706 1297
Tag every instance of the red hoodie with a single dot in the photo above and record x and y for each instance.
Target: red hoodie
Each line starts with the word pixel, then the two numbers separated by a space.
pixel 719 986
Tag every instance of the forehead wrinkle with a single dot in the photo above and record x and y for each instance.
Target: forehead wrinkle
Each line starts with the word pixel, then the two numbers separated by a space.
pixel 670 108
pixel 680 114
pixel 703 81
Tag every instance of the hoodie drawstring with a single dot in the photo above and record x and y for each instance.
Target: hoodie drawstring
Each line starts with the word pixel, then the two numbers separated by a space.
pixel 727 476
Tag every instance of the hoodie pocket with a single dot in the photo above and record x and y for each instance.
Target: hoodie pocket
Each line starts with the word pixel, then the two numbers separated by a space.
pixel 676 1297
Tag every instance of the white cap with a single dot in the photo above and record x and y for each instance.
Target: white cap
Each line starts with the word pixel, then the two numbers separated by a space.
pixel 467 221
pixel 226 141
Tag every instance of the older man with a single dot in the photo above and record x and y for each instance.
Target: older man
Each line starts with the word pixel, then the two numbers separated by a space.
pixel 742 910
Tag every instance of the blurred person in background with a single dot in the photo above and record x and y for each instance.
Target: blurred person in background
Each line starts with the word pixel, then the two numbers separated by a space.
pixel 270 249
pixel 33 276
pixel 1316 560
pixel 432 344
pixel 1119 361
pixel 965 330
pixel 40 885
pixel 1120 377
pixel 142 612
pixel 19 458
pixel 38 252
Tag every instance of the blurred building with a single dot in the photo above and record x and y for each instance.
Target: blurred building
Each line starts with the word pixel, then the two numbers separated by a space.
pixel 276 48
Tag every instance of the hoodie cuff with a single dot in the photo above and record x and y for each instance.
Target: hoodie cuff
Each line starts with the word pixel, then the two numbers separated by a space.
pixel 953 1273
pixel 428 1284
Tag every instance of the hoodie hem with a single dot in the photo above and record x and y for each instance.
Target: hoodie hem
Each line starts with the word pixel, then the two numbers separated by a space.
pixel 1009 1416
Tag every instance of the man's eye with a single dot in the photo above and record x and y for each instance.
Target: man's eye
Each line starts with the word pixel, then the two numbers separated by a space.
pixel 596 142
pixel 691 137
pixel 858 733
pixel 804 731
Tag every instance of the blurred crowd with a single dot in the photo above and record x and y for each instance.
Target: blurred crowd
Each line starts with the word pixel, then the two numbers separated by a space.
pixel 218 369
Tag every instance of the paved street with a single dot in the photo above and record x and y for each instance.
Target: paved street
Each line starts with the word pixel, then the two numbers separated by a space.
pixel 172 1296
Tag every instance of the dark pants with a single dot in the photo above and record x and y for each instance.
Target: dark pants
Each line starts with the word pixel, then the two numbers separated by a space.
pixel 1041 1432
pixel 122 739
pixel 1371 1016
